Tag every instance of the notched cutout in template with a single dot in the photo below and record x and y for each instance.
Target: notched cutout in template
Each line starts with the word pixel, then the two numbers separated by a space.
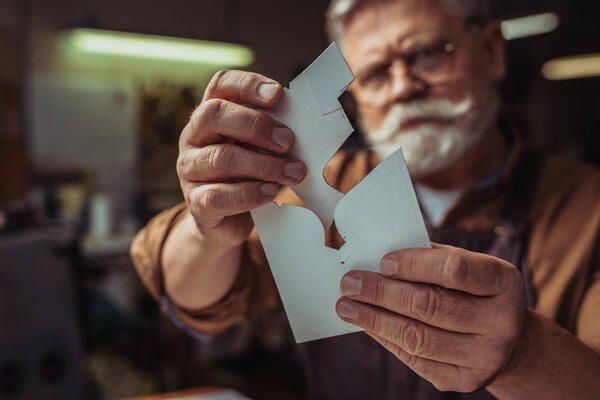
pixel 377 216
pixel 336 240
pixel 310 108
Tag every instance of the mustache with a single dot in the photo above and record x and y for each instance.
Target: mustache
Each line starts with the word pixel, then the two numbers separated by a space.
pixel 400 114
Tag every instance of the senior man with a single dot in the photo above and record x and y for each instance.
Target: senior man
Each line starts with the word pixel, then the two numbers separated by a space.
pixel 520 322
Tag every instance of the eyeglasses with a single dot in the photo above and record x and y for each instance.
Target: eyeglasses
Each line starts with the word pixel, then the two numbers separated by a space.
pixel 431 65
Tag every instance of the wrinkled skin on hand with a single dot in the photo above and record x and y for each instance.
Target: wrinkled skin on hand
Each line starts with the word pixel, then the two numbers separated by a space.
pixel 222 167
pixel 452 316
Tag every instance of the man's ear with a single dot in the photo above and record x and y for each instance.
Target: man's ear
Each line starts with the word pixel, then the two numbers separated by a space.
pixel 495 46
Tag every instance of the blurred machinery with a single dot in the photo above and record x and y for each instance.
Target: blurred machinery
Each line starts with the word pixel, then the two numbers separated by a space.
pixel 40 344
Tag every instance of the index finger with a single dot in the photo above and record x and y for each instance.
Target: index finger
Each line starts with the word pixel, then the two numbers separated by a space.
pixel 452 268
pixel 244 88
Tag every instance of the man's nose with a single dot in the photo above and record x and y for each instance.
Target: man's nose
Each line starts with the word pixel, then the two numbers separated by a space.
pixel 403 85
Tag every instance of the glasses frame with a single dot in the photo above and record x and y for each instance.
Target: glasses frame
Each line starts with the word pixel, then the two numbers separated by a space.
pixel 449 48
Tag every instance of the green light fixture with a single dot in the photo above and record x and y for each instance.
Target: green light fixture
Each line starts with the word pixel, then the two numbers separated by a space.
pixel 530 25
pixel 127 44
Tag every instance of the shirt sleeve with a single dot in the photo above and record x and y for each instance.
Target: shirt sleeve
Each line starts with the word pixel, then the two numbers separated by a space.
pixel 146 248
pixel 252 289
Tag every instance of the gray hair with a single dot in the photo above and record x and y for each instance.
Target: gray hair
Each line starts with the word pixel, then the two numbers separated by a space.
pixel 340 11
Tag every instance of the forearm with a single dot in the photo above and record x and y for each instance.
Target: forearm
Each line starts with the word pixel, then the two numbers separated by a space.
pixel 549 363
pixel 197 272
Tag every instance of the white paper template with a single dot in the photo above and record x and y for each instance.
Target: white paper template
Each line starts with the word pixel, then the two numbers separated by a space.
pixel 310 108
pixel 377 216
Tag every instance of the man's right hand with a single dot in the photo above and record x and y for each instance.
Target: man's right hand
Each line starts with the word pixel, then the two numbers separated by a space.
pixel 222 171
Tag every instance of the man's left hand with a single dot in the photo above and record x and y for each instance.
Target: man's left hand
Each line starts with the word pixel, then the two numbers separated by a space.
pixel 452 316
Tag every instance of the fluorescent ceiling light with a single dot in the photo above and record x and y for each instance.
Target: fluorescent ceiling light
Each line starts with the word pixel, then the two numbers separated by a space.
pixel 160 47
pixel 573 67
pixel 529 26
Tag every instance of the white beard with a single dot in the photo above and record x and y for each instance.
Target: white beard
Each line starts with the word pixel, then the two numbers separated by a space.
pixel 430 147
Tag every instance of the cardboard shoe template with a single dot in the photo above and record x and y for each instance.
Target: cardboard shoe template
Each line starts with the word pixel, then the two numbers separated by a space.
pixel 377 216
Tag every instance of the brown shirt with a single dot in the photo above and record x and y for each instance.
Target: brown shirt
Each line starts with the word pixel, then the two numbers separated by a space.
pixel 564 222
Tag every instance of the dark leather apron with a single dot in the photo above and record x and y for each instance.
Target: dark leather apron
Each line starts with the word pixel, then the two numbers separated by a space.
pixel 356 367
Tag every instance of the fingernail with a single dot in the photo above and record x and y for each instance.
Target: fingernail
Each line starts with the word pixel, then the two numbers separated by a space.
pixel 267 91
pixel 294 170
pixel 351 286
pixel 283 137
pixel 269 189
pixel 348 310
pixel 389 267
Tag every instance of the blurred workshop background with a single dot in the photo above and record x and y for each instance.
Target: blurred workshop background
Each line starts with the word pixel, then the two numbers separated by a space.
pixel 92 100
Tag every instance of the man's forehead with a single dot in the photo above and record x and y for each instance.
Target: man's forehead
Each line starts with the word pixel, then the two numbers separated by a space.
pixel 376 24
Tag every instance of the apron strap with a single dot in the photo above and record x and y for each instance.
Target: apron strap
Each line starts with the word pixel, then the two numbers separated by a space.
pixel 511 233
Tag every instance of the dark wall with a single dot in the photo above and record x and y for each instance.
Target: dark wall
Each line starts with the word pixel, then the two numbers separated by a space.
pixel 559 116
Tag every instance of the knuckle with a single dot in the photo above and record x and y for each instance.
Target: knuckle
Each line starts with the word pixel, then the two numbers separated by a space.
pixel 514 280
pixel 425 302
pixel 194 198
pixel 259 124
pixel 217 82
pixel 443 386
pixel 469 384
pixel 456 269
pixel 412 336
pixel 494 273
pixel 191 125
pixel 194 127
pixel 505 278
pixel 211 199
pixel 181 165
pixel 191 197
pixel 209 111
pixel 221 157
